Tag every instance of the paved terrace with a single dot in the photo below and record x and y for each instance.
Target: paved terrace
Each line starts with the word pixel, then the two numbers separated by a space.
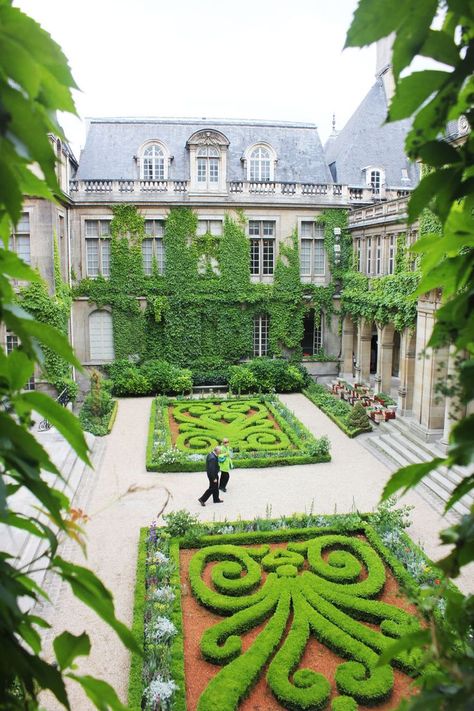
pixel 353 479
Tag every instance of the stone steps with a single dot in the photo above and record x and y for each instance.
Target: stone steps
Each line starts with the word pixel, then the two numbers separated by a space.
pixel 396 442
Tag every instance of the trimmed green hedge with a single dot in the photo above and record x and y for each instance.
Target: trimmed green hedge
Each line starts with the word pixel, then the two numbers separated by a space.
pixel 163 457
pixel 328 600
pixel 337 410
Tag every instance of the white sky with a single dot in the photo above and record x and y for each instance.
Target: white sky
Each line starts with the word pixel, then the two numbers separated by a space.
pixel 257 59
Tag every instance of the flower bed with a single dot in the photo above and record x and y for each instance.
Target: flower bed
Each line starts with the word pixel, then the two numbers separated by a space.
pixel 337 410
pixel 298 594
pixel 261 430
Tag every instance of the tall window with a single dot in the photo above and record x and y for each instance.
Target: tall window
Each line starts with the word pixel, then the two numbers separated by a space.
pixel 262 247
pixel 391 254
pixel 369 255
pixel 101 336
pixel 212 227
pixel 375 181
pixel 152 246
pixel 260 335
pixel 358 255
pixel 20 239
pixel 97 247
pixel 318 336
pixel 153 163
pixel 260 165
pixel 11 342
pixel 312 249
pixel 208 166
pixel 378 255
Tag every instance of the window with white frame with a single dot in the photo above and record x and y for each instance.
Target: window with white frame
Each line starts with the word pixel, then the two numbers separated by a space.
pixel 311 249
pixel 20 239
pixel 207 162
pixel 262 247
pixel 378 255
pixel 152 246
pixel 391 254
pixel 212 227
pixel 318 336
pixel 11 342
pixel 260 335
pixel 260 165
pixel 101 342
pixel 97 234
pixel 375 181
pixel 358 254
pixel 369 255
pixel 153 163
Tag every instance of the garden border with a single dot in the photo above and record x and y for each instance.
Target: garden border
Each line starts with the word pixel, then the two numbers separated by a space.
pixel 283 458
pixel 337 421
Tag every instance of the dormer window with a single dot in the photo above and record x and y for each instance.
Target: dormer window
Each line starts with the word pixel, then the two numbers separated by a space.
pixel 260 162
pixel 208 161
pixel 375 179
pixel 154 161
pixel 208 165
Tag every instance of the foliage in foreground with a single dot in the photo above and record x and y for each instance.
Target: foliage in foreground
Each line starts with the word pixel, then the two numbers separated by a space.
pixel 433 98
pixel 329 600
pixel 35 82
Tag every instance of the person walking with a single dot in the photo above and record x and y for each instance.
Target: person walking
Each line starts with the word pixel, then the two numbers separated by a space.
pixel 225 464
pixel 212 469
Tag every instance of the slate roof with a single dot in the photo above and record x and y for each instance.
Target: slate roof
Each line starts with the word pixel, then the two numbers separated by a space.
pixel 366 141
pixel 112 143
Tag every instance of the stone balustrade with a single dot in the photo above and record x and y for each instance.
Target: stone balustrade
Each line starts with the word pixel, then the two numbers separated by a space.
pixel 236 190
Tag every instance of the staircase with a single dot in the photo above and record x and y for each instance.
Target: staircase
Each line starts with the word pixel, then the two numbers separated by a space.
pixel 23 547
pixel 396 443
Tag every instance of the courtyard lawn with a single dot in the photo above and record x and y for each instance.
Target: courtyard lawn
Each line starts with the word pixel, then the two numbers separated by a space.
pixel 261 430
pixel 229 612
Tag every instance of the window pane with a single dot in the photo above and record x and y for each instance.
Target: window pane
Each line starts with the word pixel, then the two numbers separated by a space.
pixel 318 256
pixel 269 229
pixel 254 227
pixel 92 228
pixel 105 249
pixel 318 337
pixel 307 229
pixel 24 223
pixel 23 248
pixel 11 342
pixel 201 227
pixel 254 256
pixel 92 256
pixel 268 255
pixel 160 255
pixel 305 256
pixel 215 227
pixel 101 336
pixel 318 230
pixel 260 335
pixel 147 251
pixel 201 170
pixel 213 170
pixel 104 228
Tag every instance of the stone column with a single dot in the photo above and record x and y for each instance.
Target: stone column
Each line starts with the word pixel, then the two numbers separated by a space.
pixel 430 369
pixel 407 371
pixel 347 346
pixel 383 377
pixel 364 336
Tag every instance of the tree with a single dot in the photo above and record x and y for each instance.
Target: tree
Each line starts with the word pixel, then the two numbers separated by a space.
pixel 35 82
pixel 433 98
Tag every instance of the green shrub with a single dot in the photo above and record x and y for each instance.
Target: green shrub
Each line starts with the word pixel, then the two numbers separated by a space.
pixel 337 410
pixel 241 379
pixel 358 418
pixel 97 410
pixel 152 377
pixel 179 523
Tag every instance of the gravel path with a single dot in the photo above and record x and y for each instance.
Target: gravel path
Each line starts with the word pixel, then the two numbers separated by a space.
pixel 353 479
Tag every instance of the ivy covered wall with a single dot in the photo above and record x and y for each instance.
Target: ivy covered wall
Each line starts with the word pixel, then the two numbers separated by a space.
pixel 203 305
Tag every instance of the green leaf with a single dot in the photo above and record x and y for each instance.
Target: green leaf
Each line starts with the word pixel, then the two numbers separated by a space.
pixel 52 338
pixel 67 647
pixel 440 46
pixel 412 34
pixel 15 268
pixel 88 588
pixel 408 477
pixel 19 65
pixel 427 189
pixel 412 91
pixel 100 693
pixel 412 640
pixel 372 22
pixel 439 153
pixel 18 369
pixel 463 488
pixel 61 418
pixel 461 447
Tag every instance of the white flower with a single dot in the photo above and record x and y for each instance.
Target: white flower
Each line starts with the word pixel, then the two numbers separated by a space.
pixel 160 630
pixel 164 594
pixel 159 690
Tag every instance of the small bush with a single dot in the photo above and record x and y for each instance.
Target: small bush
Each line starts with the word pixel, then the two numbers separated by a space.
pixel 97 409
pixel 152 377
pixel 242 380
pixel 358 418
pixel 179 523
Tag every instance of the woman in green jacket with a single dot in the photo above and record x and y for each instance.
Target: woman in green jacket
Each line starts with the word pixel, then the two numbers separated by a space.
pixel 225 464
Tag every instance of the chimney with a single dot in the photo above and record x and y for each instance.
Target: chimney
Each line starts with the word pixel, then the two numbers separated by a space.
pixel 384 65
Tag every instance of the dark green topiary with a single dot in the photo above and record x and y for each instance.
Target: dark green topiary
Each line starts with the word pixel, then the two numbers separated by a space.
pixel 358 418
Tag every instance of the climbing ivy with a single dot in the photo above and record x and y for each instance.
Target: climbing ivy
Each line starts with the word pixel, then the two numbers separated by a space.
pixel 190 313
pixel 53 309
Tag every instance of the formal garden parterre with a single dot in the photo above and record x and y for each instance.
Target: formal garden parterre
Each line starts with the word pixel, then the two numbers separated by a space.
pixel 261 430
pixel 289 613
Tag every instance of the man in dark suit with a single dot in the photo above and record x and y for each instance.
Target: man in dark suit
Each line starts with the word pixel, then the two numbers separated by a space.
pixel 212 468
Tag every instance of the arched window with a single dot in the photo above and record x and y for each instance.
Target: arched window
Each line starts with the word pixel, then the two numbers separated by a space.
pixel 208 165
pixel 101 339
pixel 153 163
pixel 260 161
pixel 260 165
